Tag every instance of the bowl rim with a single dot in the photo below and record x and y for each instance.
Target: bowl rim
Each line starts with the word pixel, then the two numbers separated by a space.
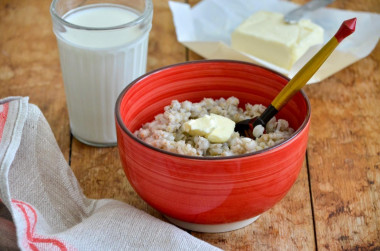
pixel 120 122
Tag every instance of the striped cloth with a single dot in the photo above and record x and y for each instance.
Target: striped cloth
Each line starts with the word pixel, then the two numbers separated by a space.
pixel 42 206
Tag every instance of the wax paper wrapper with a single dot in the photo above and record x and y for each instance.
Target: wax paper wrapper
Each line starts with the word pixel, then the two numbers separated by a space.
pixel 206 29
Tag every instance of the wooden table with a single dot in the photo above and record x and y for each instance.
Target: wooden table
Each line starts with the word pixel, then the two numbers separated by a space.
pixel 335 202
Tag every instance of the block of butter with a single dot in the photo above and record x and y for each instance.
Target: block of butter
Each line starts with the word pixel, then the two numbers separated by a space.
pixel 265 35
pixel 215 128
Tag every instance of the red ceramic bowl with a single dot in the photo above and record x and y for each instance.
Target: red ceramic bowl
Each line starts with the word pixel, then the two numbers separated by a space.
pixel 209 194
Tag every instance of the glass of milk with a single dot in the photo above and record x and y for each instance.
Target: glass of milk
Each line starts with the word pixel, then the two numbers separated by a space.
pixel 103 47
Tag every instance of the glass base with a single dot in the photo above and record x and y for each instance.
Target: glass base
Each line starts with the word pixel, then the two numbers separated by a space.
pixel 96 144
pixel 212 228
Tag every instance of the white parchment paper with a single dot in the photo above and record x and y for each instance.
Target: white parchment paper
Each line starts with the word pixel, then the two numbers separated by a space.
pixel 206 29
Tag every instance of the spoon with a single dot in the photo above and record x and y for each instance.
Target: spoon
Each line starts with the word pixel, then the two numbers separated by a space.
pixel 296 14
pixel 246 127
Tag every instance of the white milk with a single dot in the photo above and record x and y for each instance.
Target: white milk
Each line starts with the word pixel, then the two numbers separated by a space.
pixel 97 65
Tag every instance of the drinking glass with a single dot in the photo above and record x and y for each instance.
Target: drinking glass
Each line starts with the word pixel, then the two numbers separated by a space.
pixel 103 47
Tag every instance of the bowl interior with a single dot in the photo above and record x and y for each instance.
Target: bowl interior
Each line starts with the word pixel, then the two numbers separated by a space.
pixel 148 95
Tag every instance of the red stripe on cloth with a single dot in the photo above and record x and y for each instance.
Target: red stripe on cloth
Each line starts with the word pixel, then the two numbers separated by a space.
pixel 3 117
pixel 33 247
pixel 31 221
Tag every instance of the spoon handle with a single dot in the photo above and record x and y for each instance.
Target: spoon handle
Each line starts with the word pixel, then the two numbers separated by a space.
pixel 296 14
pixel 307 71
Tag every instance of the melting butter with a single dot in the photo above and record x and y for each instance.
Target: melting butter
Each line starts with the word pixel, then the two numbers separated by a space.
pixel 215 128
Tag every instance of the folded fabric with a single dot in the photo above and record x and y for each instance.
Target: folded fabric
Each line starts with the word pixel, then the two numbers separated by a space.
pixel 42 206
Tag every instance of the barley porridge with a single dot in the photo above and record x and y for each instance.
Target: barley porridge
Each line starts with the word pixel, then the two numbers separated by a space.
pixel 166 131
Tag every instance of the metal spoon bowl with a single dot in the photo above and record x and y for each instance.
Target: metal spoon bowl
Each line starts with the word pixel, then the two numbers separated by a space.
pixel 295 15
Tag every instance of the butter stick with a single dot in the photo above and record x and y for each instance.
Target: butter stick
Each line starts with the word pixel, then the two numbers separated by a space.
pixel 265 35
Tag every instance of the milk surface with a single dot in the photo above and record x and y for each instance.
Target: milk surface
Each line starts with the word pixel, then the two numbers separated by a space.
pixel 97 65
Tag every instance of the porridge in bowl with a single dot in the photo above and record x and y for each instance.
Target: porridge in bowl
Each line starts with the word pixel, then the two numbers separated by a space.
pixel 169 132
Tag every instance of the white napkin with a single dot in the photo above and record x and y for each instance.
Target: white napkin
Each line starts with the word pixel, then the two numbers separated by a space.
pixel 42 206
pixel 206 29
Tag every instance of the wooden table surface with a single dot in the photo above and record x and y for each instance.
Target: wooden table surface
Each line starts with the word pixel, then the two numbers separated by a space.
pixel 335 202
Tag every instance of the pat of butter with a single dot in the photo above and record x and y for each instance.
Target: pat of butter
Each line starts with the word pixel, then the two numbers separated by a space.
pixel 265 35
pixel 215 128
pixel 201 126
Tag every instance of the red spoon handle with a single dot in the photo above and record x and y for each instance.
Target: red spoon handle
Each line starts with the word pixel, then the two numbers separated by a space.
pixel 346 29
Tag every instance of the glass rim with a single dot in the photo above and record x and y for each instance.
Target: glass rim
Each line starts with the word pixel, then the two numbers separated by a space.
pixel 147 12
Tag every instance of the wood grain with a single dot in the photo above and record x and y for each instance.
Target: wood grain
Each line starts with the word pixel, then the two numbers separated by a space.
pixel 344 152
pixel 29 62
